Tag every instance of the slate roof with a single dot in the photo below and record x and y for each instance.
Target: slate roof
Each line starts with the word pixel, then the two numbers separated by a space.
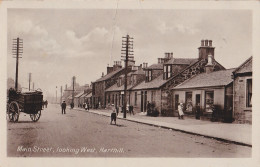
pixel 109 75
pixel 181 61
pixel 139 72
pixel 155 67
pixel 79 94
pixel 244 67
pixel 155 83
pixel 217 78
pixel 88 95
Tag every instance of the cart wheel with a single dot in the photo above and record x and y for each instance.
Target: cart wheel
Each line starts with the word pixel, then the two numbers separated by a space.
pixel 35 117
pixel 13 111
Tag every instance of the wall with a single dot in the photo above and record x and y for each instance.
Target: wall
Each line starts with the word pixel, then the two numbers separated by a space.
pixel 242 114
pixel 157 99
pixel 219 95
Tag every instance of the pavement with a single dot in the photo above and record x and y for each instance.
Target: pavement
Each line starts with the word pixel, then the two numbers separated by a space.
pixel 229 132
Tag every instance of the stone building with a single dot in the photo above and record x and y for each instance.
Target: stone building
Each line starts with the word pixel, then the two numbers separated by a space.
pixel 115 94
pixel 170 72
pixel 203 92
pixel 242 79
pixel 100 85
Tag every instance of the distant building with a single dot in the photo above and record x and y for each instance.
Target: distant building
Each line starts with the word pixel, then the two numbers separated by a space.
pixel 106 81
pixel 242 78
pixel 115 94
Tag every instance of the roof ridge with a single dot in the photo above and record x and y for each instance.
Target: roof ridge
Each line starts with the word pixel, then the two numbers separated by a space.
pixel 247 60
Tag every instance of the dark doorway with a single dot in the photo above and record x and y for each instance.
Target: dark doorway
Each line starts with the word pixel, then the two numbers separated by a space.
pixel 116 101
pixel 145 100
pixel 176 102
pixel 197 103
pixel 142 101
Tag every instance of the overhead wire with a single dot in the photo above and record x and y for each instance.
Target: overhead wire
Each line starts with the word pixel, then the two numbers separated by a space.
pixel 113 29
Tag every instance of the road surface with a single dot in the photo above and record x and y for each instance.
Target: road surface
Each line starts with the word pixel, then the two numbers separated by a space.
pixel 83 134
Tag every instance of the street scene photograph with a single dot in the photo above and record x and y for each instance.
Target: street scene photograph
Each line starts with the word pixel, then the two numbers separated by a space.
pixel 129 83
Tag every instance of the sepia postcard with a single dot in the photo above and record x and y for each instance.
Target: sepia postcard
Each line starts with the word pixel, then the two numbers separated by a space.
pixel 129 83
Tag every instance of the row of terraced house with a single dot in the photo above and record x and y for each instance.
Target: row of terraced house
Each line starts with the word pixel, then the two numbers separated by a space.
pixel 201 83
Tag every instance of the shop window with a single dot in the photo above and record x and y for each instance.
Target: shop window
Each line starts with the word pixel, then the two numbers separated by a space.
pixel 188 101
pixel 249 93
pixel 209 101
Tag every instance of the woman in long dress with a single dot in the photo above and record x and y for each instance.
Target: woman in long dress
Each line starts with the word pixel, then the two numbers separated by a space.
pixel 180 110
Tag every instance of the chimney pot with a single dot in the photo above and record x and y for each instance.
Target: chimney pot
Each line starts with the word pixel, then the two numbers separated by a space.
pixel 206 42
pixel 210 42
pixel 202 42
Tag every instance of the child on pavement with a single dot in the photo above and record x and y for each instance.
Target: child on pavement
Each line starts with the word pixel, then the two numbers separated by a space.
pixel 113 115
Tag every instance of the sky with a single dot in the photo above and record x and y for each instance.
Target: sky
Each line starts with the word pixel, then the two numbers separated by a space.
pixel 61 43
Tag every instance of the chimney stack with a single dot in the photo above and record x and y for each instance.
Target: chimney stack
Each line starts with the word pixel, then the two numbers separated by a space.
pixel 102 74
pixel 206 49
pixel 145 65
pixel 209 66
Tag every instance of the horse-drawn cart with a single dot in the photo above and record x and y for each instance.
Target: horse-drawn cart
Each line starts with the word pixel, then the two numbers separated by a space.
pixel 29 103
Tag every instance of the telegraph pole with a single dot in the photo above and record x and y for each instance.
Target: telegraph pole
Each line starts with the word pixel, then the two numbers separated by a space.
pixel 56 94
pixel 17 51
pixel 127 55
pixel 73 88
pixel 30 77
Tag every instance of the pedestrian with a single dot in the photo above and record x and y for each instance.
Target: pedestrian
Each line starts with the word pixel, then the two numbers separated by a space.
pixel 63 107
pixel 131 110
pixel 88 106
pixel 180 109
pixel 117 110
pixel 127 108
pixel 113 115
pixel 43 103
pixel 46 103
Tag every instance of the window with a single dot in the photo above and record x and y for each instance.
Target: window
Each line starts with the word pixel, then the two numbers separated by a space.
pixel 188 101
pixel 209 100
pixel 135 98
pixel 148 75
pixel 176 103
pixel 152 96
pixel 249 93
pixel 113 99
pixel 167 71
pixel 108 99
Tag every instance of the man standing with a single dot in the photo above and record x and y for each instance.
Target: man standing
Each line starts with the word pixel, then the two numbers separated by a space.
pixel 63 107
pixel 46 103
